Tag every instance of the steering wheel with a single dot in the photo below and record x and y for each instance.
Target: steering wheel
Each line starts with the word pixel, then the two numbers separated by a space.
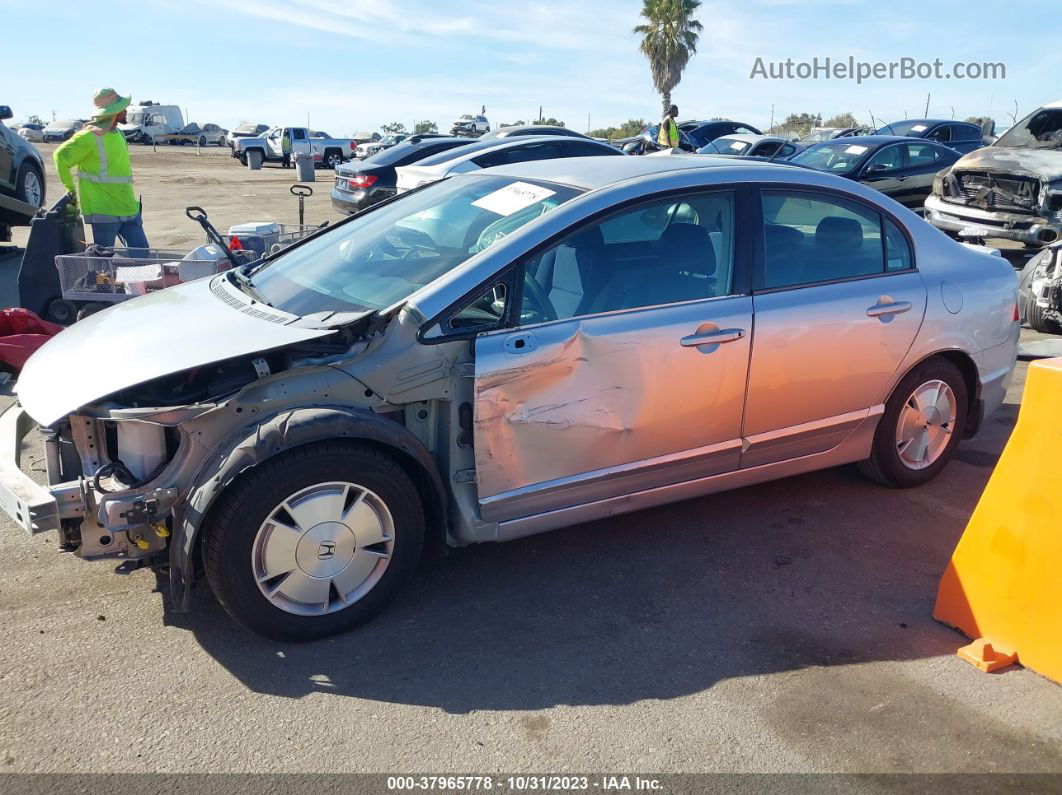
pixel 413 239
pixel 541 306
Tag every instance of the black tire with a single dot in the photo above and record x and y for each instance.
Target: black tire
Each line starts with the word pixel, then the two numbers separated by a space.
pixel 333 159
pixel 885 465
pixel 202 140
pixel 26 173
pixel 241 510
pixel 1037 321
pixel 62 311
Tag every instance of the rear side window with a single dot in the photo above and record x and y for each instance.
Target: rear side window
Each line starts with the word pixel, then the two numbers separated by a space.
pixel 809 238
pixel 298 135
pixel 897 249
pixel 519 154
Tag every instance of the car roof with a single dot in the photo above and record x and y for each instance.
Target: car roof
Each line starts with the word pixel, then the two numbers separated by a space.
pixel 505 132
pixel 482 146
pixel 748 138
pixel 591 173
pixel 870 140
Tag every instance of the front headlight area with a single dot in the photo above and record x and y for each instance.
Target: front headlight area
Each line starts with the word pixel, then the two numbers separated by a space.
pixel 105 474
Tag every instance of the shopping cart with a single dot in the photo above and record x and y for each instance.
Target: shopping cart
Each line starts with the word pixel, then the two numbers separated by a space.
pixel 94 279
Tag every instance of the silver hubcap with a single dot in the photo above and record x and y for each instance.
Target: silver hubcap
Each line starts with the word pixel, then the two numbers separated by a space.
pixel 323 548
pixel 926 424
pixel 33 189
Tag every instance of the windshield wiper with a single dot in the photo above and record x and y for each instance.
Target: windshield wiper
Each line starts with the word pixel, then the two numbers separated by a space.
pixel 244 284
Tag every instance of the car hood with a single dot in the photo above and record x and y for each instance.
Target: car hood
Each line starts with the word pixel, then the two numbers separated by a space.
pixel 145 338
pixel 1044 164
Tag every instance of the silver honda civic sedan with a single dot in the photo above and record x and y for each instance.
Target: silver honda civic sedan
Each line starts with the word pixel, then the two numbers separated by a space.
pixel 499 354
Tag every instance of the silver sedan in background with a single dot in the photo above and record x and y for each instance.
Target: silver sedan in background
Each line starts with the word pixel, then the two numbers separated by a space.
pixel 502 353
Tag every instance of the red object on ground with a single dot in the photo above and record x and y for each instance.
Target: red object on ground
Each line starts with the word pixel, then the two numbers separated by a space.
pixel 21 333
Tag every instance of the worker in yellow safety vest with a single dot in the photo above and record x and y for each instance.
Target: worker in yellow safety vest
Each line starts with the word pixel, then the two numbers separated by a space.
pixel 668 136
pixel 105 176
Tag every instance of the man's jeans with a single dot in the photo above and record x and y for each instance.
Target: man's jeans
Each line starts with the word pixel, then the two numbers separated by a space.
pixel 131 233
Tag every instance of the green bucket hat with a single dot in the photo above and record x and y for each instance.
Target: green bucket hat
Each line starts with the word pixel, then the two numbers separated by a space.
pixel 108 103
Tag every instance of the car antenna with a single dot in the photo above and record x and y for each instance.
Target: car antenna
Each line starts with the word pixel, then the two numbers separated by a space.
pixel 774 154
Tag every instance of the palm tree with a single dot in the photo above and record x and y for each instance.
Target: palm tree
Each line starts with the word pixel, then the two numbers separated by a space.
pixel 669 40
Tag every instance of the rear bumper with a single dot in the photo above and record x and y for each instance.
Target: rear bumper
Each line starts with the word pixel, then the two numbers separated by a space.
pixel 31 505
pixel 351 202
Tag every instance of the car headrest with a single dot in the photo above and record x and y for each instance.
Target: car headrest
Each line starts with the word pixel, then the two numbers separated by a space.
pixel 690 246
pixel 839 234
pixel 780 238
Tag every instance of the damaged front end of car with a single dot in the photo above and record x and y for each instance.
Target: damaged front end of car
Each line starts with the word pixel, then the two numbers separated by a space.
pixel 1009 193
pixel 1040 291
pixel 132 472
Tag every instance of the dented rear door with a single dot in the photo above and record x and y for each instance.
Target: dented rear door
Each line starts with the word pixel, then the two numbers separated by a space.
pixel 588 408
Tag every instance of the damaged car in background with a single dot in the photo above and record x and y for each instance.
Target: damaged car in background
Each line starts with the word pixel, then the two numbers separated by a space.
pixel 1040 291
pixel 1011 189
pixel 499 354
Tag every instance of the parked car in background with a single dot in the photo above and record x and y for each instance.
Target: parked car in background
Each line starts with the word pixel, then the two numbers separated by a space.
pixel 203 136
pixel 532 129
pixel 150 121
pixel 61 129
pixel 1040 290
pixel 363 183
pixel 959 135
pixel 500 354
pixel 701 133
pixel 470 125
pixel 748 145
pixel 319 134
pixel 493 152
pixel 818 134
pixel 32 132
pixel 21 165
pixel 1011 189
pixel 368 148
pixel 327 152
pixel 246 130
pixel 365 136
pixel 899 167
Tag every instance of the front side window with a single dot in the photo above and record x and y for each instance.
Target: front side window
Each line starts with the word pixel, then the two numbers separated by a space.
pixel 809 238
pixel 519 154
pixel 383 256
pixel 888 158
pixel 661 252
pixel 941 133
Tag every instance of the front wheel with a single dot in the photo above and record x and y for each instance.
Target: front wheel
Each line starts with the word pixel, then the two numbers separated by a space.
pixel 29 185
pixel 315 541
pixel 922 424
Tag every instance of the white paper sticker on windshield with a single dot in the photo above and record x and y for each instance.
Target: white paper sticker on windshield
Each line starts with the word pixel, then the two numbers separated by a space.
pixel 739 145
pixel 513 197
pixel 919 128
pixel 855 149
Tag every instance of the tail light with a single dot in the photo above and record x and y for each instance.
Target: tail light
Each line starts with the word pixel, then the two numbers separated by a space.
pixel 353 145
pixel 362 181
pixel 1017 317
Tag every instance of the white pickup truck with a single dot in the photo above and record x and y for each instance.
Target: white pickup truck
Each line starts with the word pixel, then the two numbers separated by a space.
pixel 269 147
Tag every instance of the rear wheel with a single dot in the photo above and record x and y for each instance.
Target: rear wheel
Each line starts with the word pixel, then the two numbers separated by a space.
pixel 333 159
pixel 315 541
pixel 202 140
pixel 29 186
pixel 921 426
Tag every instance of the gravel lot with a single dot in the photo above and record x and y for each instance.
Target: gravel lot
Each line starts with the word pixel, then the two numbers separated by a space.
pixel 782 627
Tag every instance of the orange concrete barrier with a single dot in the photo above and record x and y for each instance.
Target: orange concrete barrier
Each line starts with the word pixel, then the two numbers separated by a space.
pixel 1003 585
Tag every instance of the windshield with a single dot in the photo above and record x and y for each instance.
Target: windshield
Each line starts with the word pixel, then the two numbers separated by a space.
pixel 383 256
pixel 1041 130
pixel 725 146
pixel 821 135
pixel 836 157
pixel 913 128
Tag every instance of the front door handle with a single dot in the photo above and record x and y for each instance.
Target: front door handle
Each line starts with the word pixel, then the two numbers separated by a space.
pixel 712 337
pixel 886 310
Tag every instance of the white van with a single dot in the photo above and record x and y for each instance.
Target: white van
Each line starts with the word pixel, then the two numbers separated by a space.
pixel 149 120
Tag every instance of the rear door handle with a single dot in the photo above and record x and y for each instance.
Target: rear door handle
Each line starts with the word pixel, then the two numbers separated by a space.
pixel 885 310
pixel 712 337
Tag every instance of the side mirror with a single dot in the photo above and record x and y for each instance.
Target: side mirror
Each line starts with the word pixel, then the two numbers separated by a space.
pixel 5 112
pixel 875 168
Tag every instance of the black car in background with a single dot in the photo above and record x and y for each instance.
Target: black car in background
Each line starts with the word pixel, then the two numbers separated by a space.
pixel 21 165
pixel 701 133
pixel 958 135
pixel 363 183
pixel 900 167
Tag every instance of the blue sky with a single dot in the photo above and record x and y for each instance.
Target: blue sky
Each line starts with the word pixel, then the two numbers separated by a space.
pixel 357 65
